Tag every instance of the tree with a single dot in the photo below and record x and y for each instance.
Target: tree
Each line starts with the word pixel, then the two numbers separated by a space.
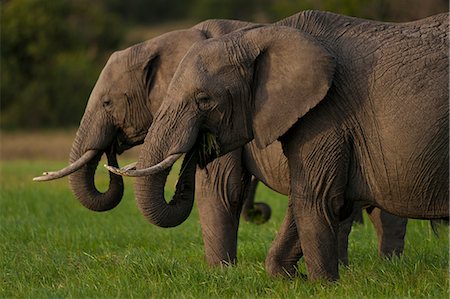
pixel 50 57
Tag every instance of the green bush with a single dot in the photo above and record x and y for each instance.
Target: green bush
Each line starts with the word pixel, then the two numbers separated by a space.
pixel 51 54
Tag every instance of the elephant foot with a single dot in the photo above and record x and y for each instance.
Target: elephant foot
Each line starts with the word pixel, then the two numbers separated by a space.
pixel 343 261
pixel 214 262
pixel 260 213
pixel 389 253
pixel 392 245
pixel 276 268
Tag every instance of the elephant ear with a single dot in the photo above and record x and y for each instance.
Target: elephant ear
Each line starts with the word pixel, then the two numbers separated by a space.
pixel 160 58
pixel 292 74
pixel 148 72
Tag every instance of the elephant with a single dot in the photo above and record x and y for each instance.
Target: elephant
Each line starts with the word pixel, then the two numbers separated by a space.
pixel 360 108
pixel 120 110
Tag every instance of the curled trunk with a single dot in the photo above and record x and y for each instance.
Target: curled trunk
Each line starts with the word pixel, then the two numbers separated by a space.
pixel 82 181
pixel 149 192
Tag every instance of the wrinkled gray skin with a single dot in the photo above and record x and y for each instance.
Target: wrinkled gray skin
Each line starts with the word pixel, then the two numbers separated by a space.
pixel 360 108
pixel 120 110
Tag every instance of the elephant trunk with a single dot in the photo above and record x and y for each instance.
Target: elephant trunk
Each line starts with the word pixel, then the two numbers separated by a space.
pixel 82 181
pixel 171 134
pixel 149 192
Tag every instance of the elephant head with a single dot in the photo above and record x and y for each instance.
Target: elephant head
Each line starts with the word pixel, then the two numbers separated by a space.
pixel 120 109
pixel 253 83
pixel 119 112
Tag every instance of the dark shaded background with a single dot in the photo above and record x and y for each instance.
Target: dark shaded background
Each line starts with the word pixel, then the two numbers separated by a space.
pixel 52 51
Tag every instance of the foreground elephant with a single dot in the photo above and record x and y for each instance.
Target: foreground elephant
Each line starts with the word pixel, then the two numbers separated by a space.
pixel 120 110
pixel 360 108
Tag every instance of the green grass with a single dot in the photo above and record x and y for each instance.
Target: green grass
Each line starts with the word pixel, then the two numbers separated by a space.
pixel 53 247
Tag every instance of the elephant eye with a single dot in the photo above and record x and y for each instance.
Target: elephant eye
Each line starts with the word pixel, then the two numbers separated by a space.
pixel 204 102
pixel 107 103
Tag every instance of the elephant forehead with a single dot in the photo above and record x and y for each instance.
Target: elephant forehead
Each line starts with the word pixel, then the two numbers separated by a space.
pixel 113 68
pixel 210 56
pixel 113 77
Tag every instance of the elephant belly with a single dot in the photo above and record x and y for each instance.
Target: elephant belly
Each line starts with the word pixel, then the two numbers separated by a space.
pixel 420 190
pixel 402 152
pixel 410 183
pixel 269 165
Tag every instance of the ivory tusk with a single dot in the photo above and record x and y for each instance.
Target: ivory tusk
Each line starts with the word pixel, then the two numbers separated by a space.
pixel 130 170
pixel 53 175
pixel 131 166
pixel 123 170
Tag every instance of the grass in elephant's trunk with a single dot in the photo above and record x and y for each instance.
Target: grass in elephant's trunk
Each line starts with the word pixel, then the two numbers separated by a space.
pixel 208 148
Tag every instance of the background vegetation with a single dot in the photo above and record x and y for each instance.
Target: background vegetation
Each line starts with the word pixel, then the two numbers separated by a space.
pixel 53 50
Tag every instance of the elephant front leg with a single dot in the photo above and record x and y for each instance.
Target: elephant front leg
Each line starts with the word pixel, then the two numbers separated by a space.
pixel 318 242
pixel 286 249
pixel 318 172
pixel 219 197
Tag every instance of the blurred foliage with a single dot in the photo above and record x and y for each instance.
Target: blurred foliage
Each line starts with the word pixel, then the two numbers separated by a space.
pixel 50 56
pixel 149 11
pixel 226 9
pixel 53 50
pixel 383 10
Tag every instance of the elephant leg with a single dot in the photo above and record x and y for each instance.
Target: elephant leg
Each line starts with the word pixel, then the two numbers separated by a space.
pixel 390 231
pixel 250 196
pixel 318 241
pixel 255 212
pixel 316 212
pixel 318 170
pixel 219 198
pixel 286 249
pixel 345 227
pixel 357 214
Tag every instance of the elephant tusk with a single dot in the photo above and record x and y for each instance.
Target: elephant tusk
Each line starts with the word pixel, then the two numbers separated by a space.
pixel 130 170
pixel 53 175
pixel 121 171
pixel 131 166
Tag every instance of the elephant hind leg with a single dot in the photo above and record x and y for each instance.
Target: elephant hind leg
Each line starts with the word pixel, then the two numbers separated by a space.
pixel 345 228
pixel 390 231
pixel 255 212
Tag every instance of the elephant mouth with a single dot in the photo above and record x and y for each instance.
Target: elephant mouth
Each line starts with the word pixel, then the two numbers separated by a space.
pixel 208 148
pixel 124 142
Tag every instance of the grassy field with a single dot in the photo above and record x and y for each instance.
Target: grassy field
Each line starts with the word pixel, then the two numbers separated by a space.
pixel 53 247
